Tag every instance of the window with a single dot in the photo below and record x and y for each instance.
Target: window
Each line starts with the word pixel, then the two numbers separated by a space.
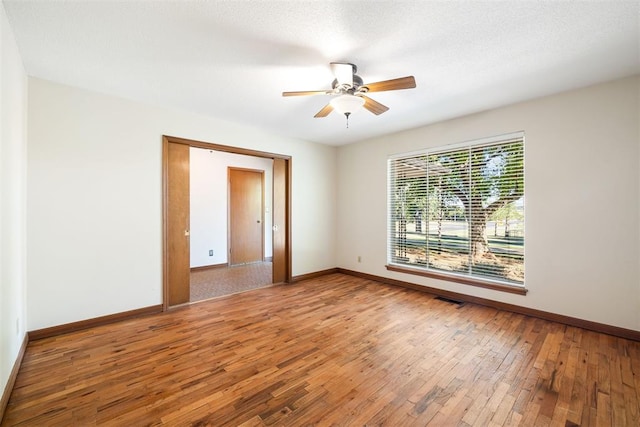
pixel 458 212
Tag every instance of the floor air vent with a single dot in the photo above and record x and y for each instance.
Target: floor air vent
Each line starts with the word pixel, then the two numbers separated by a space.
pixel 449 300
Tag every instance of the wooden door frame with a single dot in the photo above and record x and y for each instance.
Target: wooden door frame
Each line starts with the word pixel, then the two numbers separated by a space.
pixel 166 140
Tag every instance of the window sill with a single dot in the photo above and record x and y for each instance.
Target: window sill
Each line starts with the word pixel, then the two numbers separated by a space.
pixel 519 290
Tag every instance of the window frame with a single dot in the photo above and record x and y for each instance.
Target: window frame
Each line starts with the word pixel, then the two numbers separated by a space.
pixel 426 271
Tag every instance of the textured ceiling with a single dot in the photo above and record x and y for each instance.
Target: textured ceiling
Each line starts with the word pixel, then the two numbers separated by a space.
pixel 233 59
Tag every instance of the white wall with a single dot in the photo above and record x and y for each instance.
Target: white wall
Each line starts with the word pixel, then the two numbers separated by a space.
pixel 13 155
pixel 209 207
pixel 94 199
pixel 582 196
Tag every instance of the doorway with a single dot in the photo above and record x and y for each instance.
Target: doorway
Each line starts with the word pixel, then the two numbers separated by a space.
pixel 175 268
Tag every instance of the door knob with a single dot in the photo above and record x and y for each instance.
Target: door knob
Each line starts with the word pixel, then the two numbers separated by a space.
pixel 258 221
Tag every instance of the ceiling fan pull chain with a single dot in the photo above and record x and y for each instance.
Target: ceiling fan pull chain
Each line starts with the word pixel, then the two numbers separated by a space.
pixel 347 116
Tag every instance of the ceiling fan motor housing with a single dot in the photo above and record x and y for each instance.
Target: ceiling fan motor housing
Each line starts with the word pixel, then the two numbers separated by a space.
pixel 357 83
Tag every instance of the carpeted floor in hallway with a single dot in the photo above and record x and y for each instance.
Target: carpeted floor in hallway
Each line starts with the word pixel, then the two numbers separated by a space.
pixel 215 282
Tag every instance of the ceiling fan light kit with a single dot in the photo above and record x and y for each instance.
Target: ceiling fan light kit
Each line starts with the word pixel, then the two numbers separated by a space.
pixel 347 104
pixel 349 91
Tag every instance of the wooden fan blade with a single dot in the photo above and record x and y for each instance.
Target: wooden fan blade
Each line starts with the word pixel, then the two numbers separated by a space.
pixel 374 106
pixel 324 112
pixel 307 92
pixel 343 73
pixel 395 84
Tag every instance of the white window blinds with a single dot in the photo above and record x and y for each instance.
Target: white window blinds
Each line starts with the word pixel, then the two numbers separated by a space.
pixel 459 210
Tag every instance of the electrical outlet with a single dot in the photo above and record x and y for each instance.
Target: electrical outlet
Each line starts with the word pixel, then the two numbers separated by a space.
pixel 17 325
pixel 210 252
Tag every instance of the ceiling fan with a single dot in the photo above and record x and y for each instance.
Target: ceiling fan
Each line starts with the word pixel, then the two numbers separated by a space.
pixel 350 92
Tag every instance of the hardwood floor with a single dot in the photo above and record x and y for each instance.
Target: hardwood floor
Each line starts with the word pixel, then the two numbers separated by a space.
pixel 335 350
